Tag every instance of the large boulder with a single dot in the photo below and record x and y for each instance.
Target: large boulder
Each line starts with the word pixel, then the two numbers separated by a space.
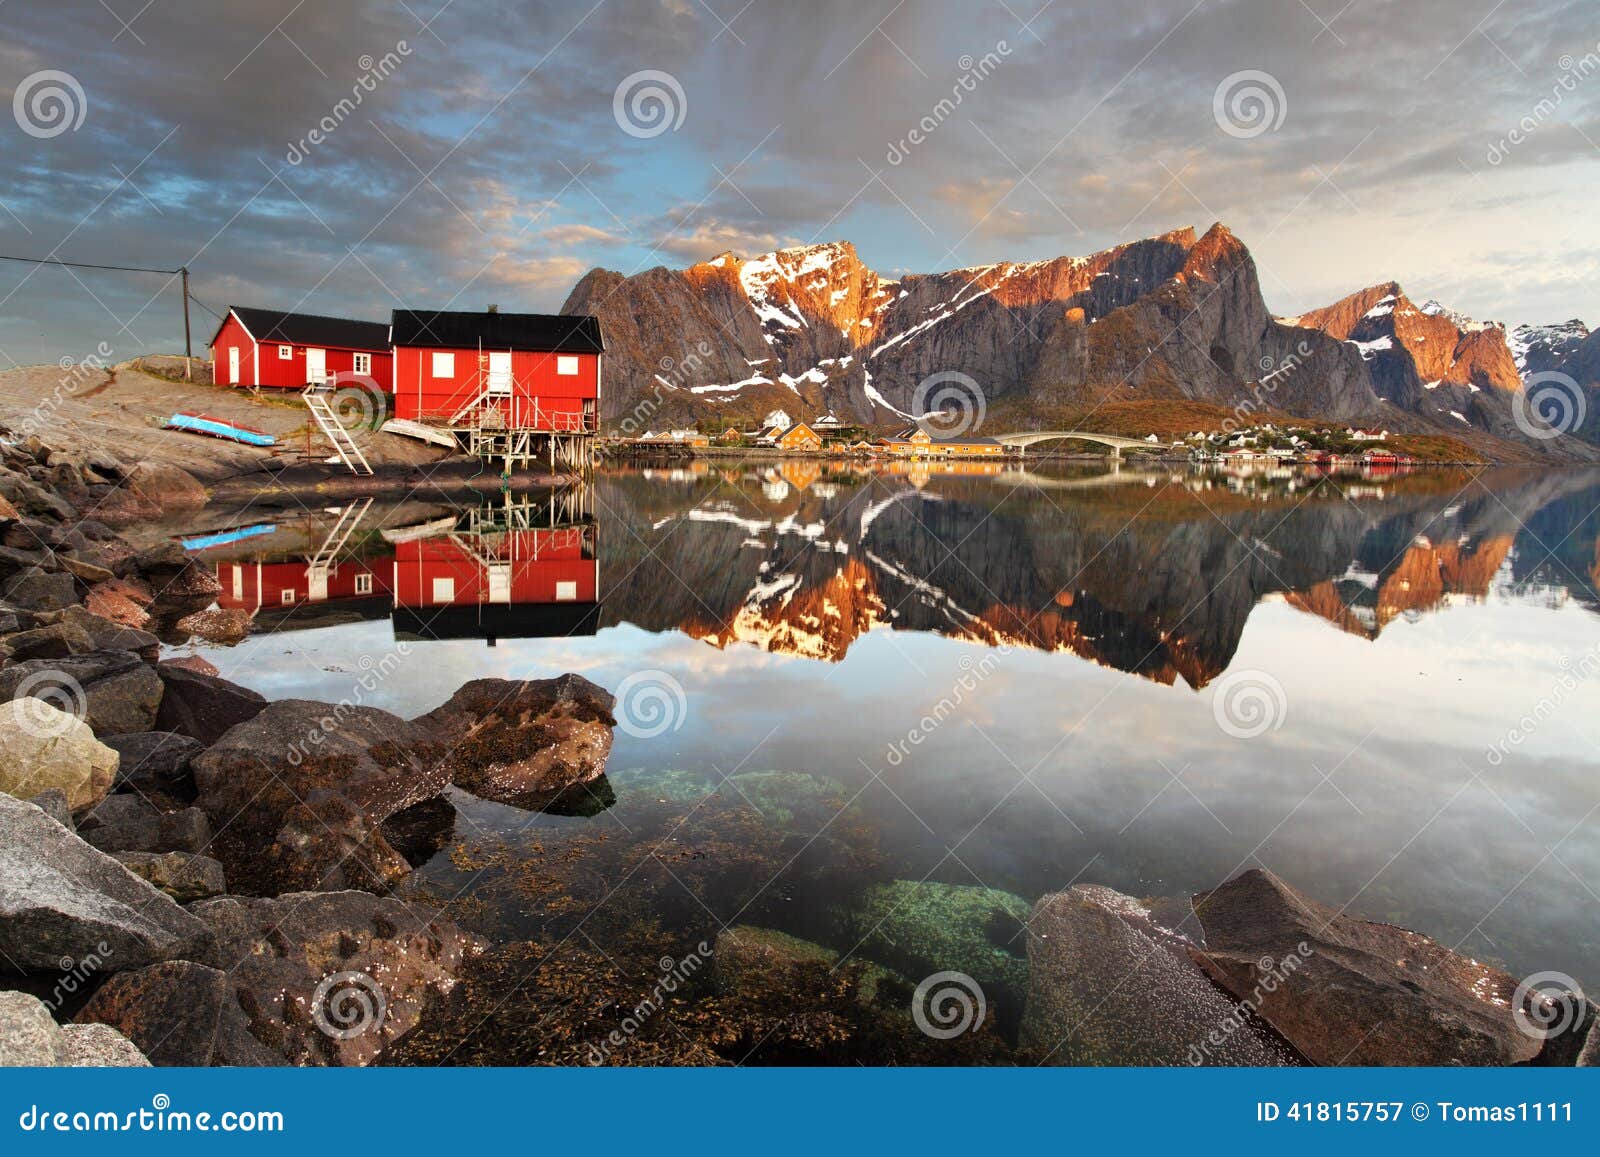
pixel 202 706
pixel 221 625
pixel 29 1036
pixel 53 641
pixel 524 741
pixel 117 690
pixel 62 899
pixel 298 792
pixel 179 1013
pixel 111 634
pixel 155 764
pixel 1109 985
pixel 44 747
pixel 1361 993
pixel 148 490
pixel 172 575
pixel 334 978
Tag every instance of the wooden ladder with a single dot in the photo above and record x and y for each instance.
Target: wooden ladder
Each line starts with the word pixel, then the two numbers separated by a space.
pixel 344 445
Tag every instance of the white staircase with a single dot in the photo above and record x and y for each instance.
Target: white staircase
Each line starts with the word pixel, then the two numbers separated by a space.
pixel 320 566
pixel 316 398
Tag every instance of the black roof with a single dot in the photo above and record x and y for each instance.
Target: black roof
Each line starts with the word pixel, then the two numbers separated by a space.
pixel 496 621
pixel 274 325
pixel 540 332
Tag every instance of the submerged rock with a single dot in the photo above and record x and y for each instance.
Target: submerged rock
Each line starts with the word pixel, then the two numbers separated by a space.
pixel 298 792
pixel 922 927
pixel 1361 993
pixel 62 899
pixel 334 978
pixel 755 960
pixel 1108 985
pixel 523 741
pixel 43 747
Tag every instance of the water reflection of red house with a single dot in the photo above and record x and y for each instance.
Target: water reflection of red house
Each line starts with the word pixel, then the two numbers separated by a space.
pixel 511 583
pixel 256 586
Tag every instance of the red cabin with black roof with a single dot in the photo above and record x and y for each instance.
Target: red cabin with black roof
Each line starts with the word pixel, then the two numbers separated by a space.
pixel 270 348
pixel 528 371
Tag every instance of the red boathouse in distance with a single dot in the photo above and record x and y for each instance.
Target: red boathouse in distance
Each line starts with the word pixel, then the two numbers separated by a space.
pixel 277 350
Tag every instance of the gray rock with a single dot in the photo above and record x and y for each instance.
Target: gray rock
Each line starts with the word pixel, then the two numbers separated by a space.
pixel 129 823
pixel 98 1046
pixel 40 590
pixel 55 641
pixel 203 707
pixel 1107 985
pixel 28 1033
pixel 120 691
pixel 109 636
pixel 61 898
pixel 54 804
pixel 184 877
pixel 155 761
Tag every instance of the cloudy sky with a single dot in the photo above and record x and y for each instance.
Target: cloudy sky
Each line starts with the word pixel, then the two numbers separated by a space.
pixel 349 157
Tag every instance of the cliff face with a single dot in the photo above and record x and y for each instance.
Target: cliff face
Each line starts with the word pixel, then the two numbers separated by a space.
pixel 813 328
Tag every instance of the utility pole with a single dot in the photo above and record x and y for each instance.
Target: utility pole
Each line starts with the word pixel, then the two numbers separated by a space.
pixel 188 351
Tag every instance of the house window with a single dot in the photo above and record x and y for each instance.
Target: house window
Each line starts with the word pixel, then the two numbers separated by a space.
pixel 363 584
pixel 444 590
pixel 567 366
pixel 285 353
pixel 362 364
pixel 444 365
pixel 287 597
pixel 566 592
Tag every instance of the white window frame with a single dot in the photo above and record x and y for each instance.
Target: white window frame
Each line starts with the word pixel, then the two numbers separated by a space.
pixel 287 598
pixel 361 363
pixel 566 592
pixel 363 584
pixel 567 365
pixel 285 353
pixel 443 364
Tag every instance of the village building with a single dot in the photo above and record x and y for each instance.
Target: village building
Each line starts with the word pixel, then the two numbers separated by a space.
pixel 916 442
pixel 268 348
pixel 799 437
pixel 1361 435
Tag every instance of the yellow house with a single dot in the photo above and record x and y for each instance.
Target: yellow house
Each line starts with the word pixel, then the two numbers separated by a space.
pixel 799 437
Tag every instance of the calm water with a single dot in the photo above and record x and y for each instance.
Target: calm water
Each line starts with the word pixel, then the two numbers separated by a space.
pixel 1382 689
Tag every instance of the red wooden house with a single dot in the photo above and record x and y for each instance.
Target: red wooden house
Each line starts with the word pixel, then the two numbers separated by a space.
pixel 257 586
pixel 515 371
pixel 267 347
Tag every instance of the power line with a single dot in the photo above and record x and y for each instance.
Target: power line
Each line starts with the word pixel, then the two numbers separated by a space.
pixel 86 265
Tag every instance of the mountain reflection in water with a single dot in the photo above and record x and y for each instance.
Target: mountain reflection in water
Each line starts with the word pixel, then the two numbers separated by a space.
pixel 817 618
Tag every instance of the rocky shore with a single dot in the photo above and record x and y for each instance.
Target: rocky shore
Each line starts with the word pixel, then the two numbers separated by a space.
pixel 192 875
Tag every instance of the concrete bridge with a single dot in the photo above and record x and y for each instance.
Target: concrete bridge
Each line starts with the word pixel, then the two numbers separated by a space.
pixel 1116 442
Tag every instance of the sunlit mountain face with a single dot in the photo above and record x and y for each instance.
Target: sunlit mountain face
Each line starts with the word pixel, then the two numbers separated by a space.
pixel 1152 573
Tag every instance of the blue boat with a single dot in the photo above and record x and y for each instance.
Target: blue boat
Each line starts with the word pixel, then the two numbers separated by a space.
pixel 220 428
